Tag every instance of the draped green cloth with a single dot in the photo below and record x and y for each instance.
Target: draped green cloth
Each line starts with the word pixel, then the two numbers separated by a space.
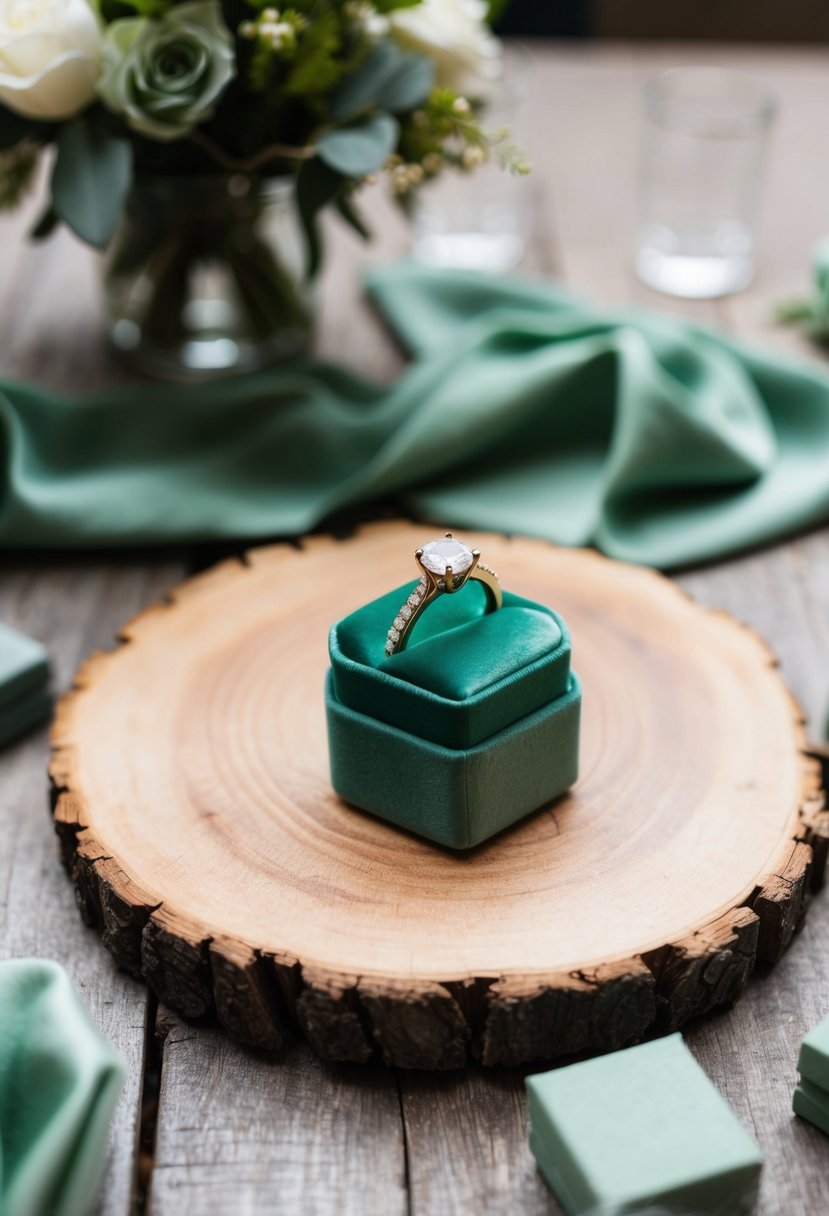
pixel 523 410
pixel 59 1082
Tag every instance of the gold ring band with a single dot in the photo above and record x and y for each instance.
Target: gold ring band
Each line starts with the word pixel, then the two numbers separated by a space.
pixel 445 567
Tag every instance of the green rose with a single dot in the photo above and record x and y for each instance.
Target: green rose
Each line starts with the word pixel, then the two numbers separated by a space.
pixel 166 76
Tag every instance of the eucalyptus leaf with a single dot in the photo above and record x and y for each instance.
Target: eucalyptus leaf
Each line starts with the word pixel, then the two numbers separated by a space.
pixel 409 87
pixel 388 79
pixel 352 216
pixel 92 175
pixel 358 150
pixel 317 185
pixel 46 225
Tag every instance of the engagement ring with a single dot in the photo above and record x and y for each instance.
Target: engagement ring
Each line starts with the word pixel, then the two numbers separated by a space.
pixel 446 565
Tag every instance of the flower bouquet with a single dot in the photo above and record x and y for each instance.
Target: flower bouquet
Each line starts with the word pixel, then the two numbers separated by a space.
pixel 200 141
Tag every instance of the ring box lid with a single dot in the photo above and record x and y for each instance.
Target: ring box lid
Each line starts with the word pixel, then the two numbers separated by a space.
pixel 466 675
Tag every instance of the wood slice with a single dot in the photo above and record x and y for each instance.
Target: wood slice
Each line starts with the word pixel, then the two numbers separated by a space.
pixel 196 814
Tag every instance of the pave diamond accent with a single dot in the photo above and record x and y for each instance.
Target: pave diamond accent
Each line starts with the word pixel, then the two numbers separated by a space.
pixel 405 614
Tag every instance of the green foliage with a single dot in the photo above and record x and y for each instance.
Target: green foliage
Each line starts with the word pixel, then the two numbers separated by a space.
pixel 320 91
pixel 114 10
pixel 390 6
pixel 317 186
pixel 361 149
pixel 387 80
pixel 497 8
pixel 812 316
pixel 13 128
pixel 17 166
pixel 318 65
pixel 46 225
pixel 92 175
pixel 345 206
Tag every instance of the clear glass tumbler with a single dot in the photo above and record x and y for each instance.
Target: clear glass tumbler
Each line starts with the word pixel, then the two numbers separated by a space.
pixel 481 220
pixel 705 138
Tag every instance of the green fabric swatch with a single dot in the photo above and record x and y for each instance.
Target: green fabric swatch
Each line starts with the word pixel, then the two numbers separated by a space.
pixel 59 1082
pixel 813 1061
pixel 638 1127
pixel 525 410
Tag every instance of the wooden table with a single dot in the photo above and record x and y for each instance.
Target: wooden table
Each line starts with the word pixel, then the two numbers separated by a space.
pixel 206 1127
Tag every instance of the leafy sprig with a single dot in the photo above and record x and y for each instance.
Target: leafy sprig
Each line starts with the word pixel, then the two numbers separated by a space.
pixel 320 92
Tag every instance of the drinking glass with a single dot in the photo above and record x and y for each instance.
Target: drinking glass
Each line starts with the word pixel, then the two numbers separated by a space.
pixel 481 220
pixel 705 138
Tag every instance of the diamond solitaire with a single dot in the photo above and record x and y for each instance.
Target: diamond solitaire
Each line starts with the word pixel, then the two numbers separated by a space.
pixel 439 554
pixel 445 566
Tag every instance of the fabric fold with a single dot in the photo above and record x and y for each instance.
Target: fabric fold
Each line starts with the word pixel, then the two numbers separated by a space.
pixel 524 410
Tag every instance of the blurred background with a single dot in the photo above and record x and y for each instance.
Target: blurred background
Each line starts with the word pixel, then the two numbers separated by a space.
pixel 713 20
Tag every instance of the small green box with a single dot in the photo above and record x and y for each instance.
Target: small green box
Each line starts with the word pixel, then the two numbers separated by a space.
pixel 811 1098
pixel 639 1127
pixel 25 700
pixel 812 1103
pixel 24 667
pixel 813 1062
pixel 465 732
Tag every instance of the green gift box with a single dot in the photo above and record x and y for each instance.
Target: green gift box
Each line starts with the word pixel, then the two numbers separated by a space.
pixel 468 730
pixel 25 700
pixel 639 1128
pixel 811 1097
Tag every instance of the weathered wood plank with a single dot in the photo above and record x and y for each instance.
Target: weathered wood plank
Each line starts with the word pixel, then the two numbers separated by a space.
pixel 751 1052
pixel 240 1133
pixel 467 1136
pixel 72 610
pixel 751 1055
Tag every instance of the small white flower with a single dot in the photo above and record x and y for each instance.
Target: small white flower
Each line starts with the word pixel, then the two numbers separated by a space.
pixel 473 157
pixel 456 35
pixel 50 56
pixel 364 14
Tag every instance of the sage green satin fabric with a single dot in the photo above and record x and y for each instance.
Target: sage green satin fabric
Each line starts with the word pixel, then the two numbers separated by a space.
pixel 59 1082
pixel 525 410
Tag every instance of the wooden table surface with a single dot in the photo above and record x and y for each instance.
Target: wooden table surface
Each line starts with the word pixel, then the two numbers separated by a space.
pixel 204 1126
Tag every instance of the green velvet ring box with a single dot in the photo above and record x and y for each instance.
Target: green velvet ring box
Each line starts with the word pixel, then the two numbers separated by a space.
pixel 641 1127
pixel 811 1098
pixel 469 729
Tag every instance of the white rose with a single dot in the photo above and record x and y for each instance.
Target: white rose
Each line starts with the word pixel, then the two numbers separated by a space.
pixel 50 56
pixel 456 35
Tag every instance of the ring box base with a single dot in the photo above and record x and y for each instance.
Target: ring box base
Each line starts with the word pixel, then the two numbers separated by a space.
pixel 456 797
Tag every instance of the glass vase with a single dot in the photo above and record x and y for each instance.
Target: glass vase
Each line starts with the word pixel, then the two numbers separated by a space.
pixel 205 277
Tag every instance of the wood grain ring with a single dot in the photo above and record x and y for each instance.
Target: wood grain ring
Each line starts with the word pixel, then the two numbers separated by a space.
pixel 192 799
